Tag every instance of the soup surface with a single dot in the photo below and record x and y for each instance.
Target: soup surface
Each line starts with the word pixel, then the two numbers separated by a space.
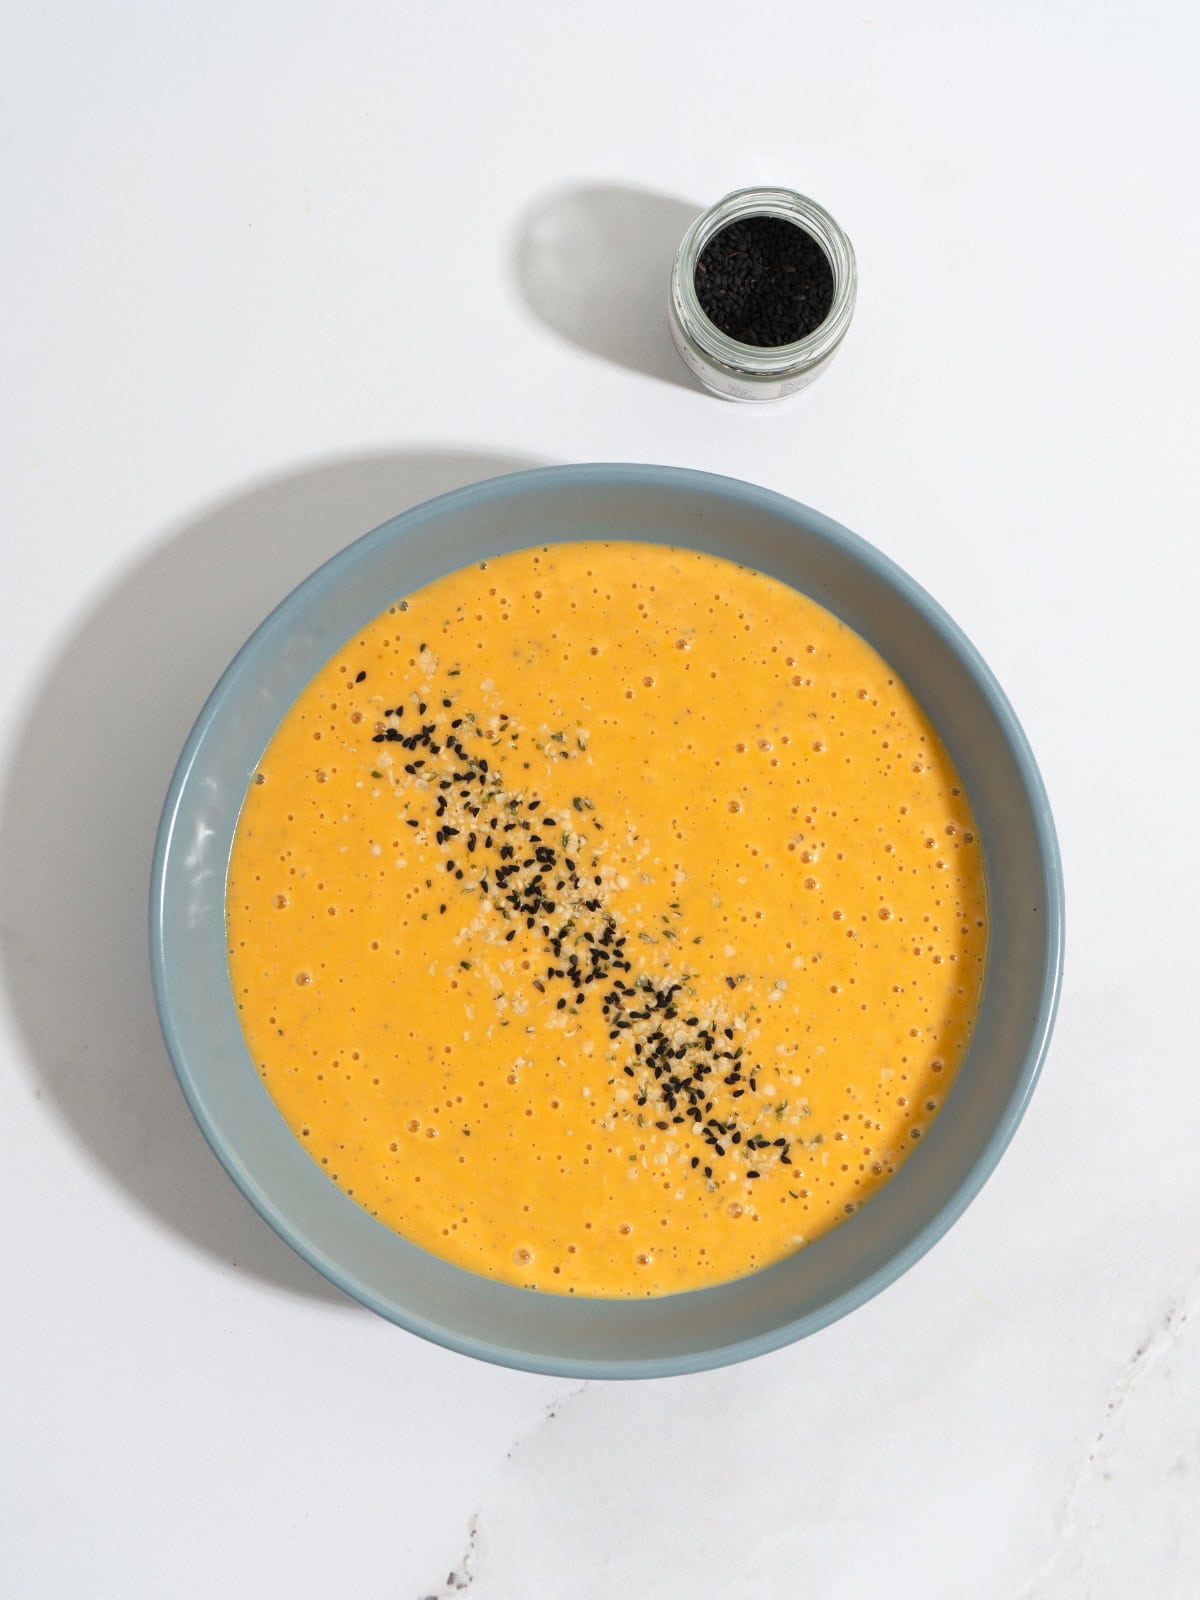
pixel 607 918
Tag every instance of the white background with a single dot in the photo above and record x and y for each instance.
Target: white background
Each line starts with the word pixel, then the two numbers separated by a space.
pixel 274 272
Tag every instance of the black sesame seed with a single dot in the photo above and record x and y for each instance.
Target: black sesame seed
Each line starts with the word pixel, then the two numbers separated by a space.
pixel 764 281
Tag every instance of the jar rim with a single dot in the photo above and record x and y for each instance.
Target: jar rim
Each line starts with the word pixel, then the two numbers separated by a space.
pixel 764 361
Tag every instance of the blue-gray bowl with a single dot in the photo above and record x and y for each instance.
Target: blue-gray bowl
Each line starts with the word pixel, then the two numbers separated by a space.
pixel 552 1333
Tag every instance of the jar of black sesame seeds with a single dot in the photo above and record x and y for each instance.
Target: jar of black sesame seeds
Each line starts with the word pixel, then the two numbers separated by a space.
pixel 762 293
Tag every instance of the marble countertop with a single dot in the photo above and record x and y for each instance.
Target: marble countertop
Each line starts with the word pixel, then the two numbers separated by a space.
pixel 272 275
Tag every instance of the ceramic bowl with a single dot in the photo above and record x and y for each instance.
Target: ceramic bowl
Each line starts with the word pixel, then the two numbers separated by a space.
pixel 551 1333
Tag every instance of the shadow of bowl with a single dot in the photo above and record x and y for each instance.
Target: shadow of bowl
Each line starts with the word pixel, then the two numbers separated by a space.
pixel 593 263
pixel 81 803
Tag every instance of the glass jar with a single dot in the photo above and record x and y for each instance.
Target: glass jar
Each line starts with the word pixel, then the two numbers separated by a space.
pixel 740 371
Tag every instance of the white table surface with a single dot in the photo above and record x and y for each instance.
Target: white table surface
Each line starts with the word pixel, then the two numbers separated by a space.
pixel 273 273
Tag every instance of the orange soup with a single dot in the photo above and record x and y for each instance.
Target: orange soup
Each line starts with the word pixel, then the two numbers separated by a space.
pixel 607 918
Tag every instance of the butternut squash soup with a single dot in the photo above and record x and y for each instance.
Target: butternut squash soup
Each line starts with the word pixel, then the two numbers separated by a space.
pixel 607 918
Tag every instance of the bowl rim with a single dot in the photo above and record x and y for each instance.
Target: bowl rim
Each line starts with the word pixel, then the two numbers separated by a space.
pixel 882 567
